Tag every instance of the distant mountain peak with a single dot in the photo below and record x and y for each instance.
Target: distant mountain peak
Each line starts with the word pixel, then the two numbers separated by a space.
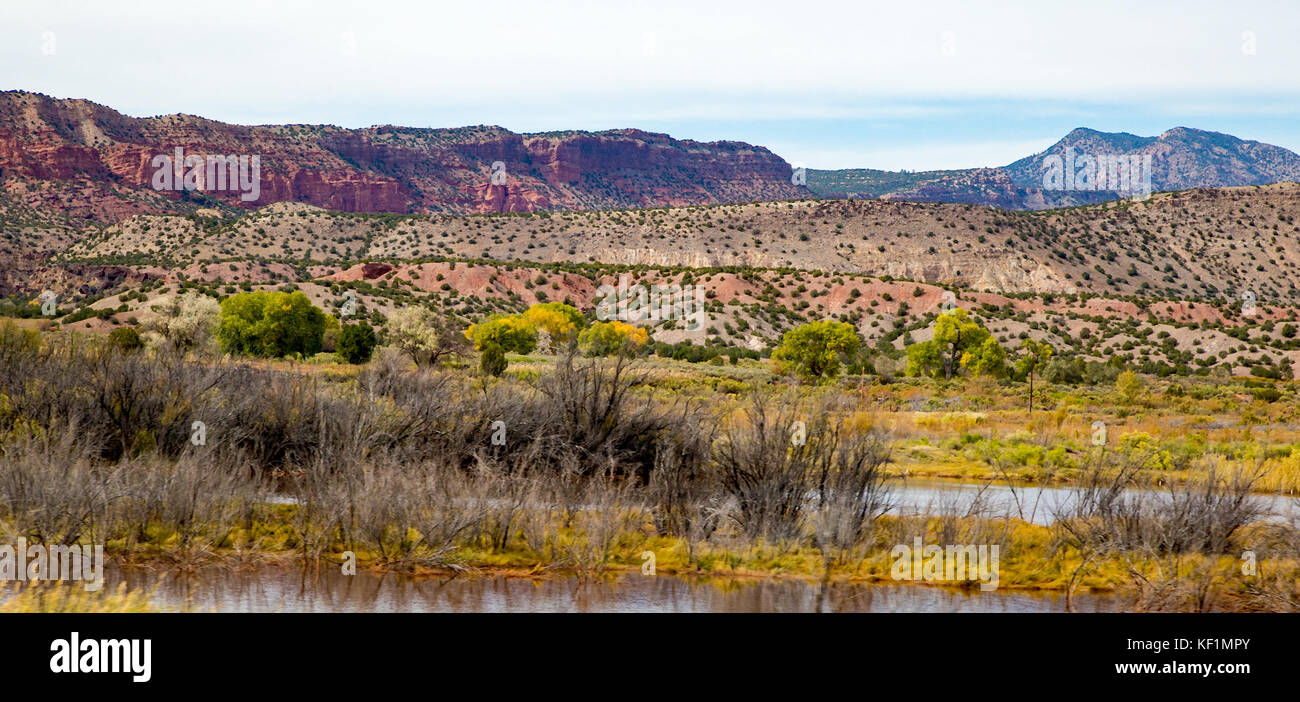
pixel 1181 158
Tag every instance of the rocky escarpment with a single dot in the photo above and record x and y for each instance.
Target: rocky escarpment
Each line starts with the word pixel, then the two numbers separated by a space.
pixel 49 145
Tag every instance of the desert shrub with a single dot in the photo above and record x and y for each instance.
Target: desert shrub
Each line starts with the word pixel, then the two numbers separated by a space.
pixel 1144 451
pixel 492 361
pixel 1131 387
pixel 186 322
pixel 125 339
pixel 423 335
pixel 356 343
pixel 16 340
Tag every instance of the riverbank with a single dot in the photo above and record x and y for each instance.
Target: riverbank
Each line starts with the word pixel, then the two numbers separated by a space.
pixel 170 462
pixel 286 587
pixel 1030 557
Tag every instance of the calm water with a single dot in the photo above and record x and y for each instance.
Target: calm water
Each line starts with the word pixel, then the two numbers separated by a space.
pixel 1039 505
pixel 288 590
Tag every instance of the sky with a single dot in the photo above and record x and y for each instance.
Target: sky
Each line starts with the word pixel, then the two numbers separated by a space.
pixel 897 85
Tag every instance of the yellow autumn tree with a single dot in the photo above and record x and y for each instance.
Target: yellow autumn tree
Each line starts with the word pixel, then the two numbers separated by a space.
pixel 612 338
pixel 560 321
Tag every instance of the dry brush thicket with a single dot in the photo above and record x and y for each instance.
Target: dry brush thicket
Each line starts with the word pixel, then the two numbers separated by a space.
pixel 428 468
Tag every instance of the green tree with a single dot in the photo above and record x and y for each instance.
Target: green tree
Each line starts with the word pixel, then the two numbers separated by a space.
pixel 816 350
pixel 423 335
pixel 356 343
pixel 612 338
pixel 1036 355
pixel 270 324
pixel 987 359
pixel 125 339
pixel 959 342
pixel 493 360
pixel 924 359
pixel 955 333
pixel 1130 387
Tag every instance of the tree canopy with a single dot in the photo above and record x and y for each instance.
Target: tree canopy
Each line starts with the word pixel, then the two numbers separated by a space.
pixel 271 324
pixel 612 338
pixel 959 343
pixel 816 350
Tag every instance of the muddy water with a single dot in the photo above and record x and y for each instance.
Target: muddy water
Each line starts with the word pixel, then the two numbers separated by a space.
pixel 287 589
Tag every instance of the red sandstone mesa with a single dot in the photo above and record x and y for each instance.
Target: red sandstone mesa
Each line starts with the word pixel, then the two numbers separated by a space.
pixel 51 147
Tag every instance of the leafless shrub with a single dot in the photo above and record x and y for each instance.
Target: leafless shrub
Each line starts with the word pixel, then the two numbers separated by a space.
pixel 1113 518
pixel 196 497
pixel 588 403
pixel 766 468
pixel 512 496
pixel 1111 514
pixel 851 489
pixel 610 508
pixel 682 486
pixel 52 493
pixel 784 457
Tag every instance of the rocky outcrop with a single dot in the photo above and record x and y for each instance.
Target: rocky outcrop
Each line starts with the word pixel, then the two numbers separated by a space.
pixel 375 269
pixel 76 143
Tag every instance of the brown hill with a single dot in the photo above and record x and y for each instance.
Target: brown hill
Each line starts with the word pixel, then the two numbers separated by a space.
pixel 1189 245
pixel 1160 281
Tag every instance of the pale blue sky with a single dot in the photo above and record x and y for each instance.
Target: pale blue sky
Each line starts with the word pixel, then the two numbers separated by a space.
pixel 920 85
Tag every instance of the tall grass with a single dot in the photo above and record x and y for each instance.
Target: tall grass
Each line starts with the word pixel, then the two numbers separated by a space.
pixel 575 467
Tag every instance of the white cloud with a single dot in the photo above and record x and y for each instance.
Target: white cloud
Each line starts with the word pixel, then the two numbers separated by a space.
pixel 703 67
pixel 151 55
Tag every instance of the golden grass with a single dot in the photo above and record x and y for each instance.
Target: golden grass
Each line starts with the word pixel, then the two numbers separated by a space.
pixel 41 596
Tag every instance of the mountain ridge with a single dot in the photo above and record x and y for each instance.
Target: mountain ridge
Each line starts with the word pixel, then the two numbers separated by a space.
pixel 80 160
pixel 54 145
pixel 1182 158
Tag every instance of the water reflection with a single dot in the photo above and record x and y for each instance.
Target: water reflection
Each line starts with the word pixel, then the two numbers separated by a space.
pixel 1039 505
pixel 286 589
